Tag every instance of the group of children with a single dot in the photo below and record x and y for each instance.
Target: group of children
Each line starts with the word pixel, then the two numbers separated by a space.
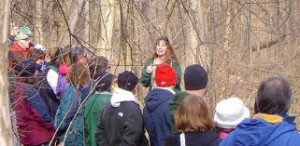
pixel 74 100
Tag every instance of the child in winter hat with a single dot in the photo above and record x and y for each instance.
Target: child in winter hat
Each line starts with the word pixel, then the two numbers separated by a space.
pixel 228 114
pixel 127 80
pixel 165 75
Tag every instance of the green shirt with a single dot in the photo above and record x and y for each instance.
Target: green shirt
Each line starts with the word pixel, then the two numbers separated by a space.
pixel 91 114
pixel 174 104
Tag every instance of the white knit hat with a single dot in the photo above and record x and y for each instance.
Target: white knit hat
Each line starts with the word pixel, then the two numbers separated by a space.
pixel 39 47
pixel 230 112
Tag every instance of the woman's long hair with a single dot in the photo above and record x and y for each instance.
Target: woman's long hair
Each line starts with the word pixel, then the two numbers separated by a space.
pixel 170 55
pixel 193 115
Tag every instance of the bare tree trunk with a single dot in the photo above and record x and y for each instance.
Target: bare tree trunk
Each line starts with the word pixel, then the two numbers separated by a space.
pixel 248 31
pixel 5 122
pixel 213 35
pixel 212 48
pixel 74 19
pixel 167 16
pixel 87 21
pixel 130 34
pixel 193 53
pixel 106 27
pixel 290 34
pixel 38 22
pixel 70 18
pixel 204 58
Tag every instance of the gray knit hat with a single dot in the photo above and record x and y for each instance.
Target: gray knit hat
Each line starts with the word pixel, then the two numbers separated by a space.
pixel 76 51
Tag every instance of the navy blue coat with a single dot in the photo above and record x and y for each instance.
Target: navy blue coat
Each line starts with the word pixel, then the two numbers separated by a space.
pixel 157 115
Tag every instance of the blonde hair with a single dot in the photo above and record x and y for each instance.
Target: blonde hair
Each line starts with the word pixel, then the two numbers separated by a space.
pixel 193 115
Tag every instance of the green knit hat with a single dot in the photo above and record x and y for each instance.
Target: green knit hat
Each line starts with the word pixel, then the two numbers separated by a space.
pixel 25 30
pixel 23 33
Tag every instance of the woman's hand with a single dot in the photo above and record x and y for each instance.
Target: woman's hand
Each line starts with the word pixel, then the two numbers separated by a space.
pixel 150 68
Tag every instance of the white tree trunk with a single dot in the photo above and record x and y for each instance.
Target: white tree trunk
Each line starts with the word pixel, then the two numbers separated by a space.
pixel 75 17
pixel 107 27
pixel 5 123
pixel 193 39
pixel 38 22
pixel 72 17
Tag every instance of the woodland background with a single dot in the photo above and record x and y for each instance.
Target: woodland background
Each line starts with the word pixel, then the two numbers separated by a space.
pixel 239 42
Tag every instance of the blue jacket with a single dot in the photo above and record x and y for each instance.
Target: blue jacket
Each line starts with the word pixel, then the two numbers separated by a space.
pixel 157 115
pixel 257 132
pixel 66 113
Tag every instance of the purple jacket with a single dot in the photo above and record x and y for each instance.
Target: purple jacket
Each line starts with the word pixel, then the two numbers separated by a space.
pixel 62 85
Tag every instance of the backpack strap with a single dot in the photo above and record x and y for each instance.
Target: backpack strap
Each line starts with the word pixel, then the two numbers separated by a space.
pixel 182 139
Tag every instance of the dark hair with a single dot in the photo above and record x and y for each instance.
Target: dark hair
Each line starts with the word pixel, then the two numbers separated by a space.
pixel 15 58
pixel 104 81
pixel 97 65
pixel 127 80
pixel 273 96
pixel 25 71
pixel 55 58
pixel 36 54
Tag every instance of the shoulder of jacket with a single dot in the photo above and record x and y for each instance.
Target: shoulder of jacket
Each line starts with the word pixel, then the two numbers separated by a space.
pixel 129 107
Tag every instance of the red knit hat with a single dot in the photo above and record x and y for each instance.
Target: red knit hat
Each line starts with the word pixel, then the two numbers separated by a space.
pixel 165 75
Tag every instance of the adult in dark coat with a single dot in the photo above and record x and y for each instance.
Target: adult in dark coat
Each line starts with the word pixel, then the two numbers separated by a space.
pixel 34 123
pixel 121 122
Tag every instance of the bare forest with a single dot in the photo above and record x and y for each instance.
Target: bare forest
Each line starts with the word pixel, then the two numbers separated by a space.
pixel 239 42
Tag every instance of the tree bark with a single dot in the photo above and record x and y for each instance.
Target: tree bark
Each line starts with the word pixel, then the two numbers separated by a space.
pixel 106 27
pixel 38 22
pixel 87 22
pixel 5 122
pixel 167 16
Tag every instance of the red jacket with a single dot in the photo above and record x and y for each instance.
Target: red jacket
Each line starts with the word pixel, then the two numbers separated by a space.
pixel 17 48
pixel 34 124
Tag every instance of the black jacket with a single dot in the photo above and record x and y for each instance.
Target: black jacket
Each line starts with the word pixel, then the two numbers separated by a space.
pixel 206 138
pixel 121 126
pixel 47 94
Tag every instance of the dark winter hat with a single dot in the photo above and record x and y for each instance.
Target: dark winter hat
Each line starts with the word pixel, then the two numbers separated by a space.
pixel 127 80
pixel 25 69
pixel 165 75
pixel 104 80
pixel 195 77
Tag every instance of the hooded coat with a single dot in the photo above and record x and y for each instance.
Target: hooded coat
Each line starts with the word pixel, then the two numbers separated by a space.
pixel 157 115
pixel 121 122
pixel 91 113
pixel 34 124
pixel 259 132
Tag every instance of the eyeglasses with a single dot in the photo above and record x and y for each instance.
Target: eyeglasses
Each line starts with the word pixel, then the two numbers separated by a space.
pixel 27 39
